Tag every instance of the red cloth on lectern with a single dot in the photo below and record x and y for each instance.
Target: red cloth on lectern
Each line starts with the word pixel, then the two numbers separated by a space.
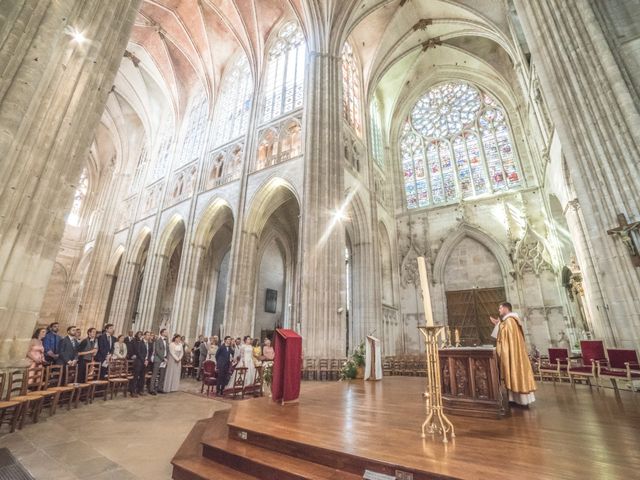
pixel 285 383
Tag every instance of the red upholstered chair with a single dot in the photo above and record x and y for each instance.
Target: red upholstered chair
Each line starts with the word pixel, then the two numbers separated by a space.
pixel 556 365
pixel 592 353
pixel 208 376
pixel 623 365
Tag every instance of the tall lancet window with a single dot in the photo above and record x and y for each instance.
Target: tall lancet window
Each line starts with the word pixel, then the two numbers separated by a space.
pixel 456 144
pixel 351 88
pixel 161 163
pixel 195 128
pixel 377 145
pixel 284 79
pixel 232 116
pixel 78 199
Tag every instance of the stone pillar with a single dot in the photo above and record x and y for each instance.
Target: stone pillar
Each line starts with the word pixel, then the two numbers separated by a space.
pixel 322 303
pixel 52 92
pixel 597 123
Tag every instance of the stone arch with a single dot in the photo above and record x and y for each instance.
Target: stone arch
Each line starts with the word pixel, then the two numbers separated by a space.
pixel 481 237
pixel 173 232
pixel 273 193
pixel 210 220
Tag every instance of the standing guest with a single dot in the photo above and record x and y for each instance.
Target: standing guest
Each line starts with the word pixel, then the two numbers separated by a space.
pixel 51 342
pixel 224 357
pixel 257 352
pixel 213 348
pixel 246 360
pixel 68 348
pixel 203 352
pixel 174 365
pixel 128 340
pixel 196 355
pixel 142 357
pixel 120 349
pixel 35 354
pixel 237 354
pixel 105 348
pixel 160 352
pixel 86 351
pixel 267 351
pixel 515 367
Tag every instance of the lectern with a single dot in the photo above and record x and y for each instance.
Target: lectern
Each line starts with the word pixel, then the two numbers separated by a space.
pixel 285 384
pixel 372 359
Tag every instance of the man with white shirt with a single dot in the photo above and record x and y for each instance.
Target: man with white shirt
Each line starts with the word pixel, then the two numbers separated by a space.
pixel 160 352
pixel 105 348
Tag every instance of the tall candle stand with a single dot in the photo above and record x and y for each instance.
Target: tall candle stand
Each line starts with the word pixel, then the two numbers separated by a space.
pixel 437 421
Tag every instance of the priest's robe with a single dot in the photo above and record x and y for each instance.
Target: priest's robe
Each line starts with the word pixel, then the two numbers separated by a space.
pixel 515 367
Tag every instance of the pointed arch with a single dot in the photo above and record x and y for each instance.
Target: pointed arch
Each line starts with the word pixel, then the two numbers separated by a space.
pixel 456 236
pixel 172 234
pixel 273 193
pixel 216 214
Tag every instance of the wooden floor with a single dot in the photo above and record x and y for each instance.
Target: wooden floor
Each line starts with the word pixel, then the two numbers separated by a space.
pixel 571 432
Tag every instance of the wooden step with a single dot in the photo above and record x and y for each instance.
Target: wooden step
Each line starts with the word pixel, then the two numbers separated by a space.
pixel 338 461
pixel 268 464
pixel 200 468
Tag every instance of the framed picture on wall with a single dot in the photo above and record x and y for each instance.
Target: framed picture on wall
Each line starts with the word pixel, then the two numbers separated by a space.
pixel 270 301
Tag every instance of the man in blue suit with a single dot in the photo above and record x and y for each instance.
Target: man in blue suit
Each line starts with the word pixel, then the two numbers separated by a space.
pixel 224 356
pixel 105 347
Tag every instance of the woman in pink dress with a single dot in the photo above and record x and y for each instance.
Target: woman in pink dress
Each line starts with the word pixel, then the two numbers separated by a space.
pixel 36 349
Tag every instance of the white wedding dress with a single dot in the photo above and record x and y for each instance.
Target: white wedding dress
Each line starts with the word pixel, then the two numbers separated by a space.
pixel 246 360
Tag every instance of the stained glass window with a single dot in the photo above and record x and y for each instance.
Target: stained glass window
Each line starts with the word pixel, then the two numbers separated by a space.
pixel 195 128
pixel 456 144
pixel 232 117
pixel 284 79
pixel 377 145
pixel 78 199
pixel 350 88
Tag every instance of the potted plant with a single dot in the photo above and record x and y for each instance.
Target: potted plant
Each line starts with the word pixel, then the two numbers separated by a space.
pixel 354 366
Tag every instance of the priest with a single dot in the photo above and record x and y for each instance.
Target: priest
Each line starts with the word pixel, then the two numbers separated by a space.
pixel 515 368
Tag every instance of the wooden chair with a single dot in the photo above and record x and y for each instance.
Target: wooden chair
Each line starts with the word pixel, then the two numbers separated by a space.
pixel 117 377
pixel 37 386
pixel 387 366
pixel 82 389
pixel 237 388
pixel 92 377
pixel 323 368
pixel 623 365
pixel 187 366
pixel 17 392
pixel 335 365
pixel 256 387
pixel 209 378
pixel 556 365
pixel 592 352
pixel 54 383
pixel 309 369
pixel 10 410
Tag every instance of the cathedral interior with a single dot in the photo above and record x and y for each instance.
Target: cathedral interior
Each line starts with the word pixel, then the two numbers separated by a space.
pixel 229 167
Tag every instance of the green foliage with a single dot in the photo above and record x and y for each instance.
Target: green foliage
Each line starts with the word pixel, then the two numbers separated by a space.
pixel 267 374
pixel 349 368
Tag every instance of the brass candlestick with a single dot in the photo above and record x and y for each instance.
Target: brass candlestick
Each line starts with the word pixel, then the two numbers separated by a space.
pixel 437 421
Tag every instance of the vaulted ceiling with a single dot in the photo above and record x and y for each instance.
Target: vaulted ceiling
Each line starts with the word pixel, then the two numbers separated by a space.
pixel 178 46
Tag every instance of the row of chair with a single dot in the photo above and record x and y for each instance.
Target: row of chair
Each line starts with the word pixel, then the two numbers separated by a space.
pixel 405 365
pixel 322 368
pixel 238 389
pixel 594 363
pixel 26 392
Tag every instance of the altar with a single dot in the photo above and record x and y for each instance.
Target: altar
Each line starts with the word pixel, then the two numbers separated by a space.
pixel 471 382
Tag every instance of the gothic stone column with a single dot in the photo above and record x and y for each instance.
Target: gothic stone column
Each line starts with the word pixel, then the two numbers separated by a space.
pixel 322 305
pixel 52 92
pixel 594 113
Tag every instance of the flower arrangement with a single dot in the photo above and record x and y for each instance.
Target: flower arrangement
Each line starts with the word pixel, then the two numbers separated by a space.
pixel 354 363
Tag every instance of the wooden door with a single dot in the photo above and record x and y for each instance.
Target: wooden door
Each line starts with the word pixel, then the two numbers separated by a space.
pixel 469 310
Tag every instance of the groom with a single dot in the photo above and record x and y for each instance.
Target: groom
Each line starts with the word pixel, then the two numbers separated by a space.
pixel 224 355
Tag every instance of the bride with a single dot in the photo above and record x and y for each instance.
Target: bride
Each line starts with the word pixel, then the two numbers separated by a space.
pixel 246 360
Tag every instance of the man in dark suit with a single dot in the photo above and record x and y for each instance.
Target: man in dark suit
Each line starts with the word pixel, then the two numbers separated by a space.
pixel 105 348
pixel 224 356
pixel 160 352
pixel 142 352
pixel 128 341
pixel 68 348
